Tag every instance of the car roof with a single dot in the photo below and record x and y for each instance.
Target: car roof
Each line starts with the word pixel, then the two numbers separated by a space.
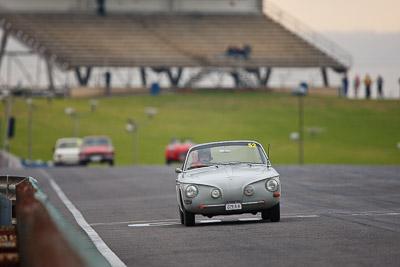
pixel 224 142
pixel 68 139
pixel 97 137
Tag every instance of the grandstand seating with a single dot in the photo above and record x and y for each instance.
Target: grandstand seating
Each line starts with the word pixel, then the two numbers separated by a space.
pixel 164 40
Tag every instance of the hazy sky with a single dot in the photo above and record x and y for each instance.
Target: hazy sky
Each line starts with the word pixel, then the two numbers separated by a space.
pixel 345 15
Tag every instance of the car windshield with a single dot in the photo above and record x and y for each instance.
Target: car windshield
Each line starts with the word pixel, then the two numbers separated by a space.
pixel 224 154
pixel 96 142
pixel 70 144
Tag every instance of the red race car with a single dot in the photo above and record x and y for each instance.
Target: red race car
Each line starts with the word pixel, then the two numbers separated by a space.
pixel 96 149
pixel 176 150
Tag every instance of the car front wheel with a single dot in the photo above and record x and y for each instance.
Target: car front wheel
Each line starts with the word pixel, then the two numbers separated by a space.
pixel 188 218
pixel 273 214
pixel 181 216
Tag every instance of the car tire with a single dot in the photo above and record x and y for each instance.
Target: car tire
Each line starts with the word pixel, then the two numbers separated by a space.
pixel 273 214
pixel 83 163
pixel 111 163
pixel 181 216
pixel 188 218
pixel 265 214
pixel 168 161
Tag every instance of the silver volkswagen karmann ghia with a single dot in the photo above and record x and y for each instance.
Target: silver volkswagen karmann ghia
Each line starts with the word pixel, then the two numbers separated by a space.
pixel 224 178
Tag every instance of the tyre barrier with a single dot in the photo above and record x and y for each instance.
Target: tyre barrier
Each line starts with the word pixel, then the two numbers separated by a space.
pixel 44 238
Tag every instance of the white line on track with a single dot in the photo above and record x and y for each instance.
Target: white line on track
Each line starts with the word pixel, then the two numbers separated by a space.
pixel 168 223
pixel 171 221
pixel 132 222
pixel 96 239
pixel 302 216
pixel 375 214
pixel 152 224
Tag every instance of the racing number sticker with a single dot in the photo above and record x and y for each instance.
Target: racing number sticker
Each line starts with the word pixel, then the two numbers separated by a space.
pixel 252 145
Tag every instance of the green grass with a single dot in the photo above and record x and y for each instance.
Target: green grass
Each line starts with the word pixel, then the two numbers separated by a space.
pixel 356 132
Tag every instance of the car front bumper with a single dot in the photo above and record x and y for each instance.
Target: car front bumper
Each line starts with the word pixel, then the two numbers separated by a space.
pixel 96 157
pixel 252 206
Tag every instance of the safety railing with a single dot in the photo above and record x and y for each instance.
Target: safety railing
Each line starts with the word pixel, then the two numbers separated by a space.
pixel 295 26
pixel 44 238
pixel 8 160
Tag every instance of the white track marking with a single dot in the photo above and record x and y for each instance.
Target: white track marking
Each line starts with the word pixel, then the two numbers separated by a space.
pixel 96 239
pixel 375 214
pixel 210 221
pixel 153 224
pixel 169 222
pixel 249 219
pixel 133 222
pixel 302 216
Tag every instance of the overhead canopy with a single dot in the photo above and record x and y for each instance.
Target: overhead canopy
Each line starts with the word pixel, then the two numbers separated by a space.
pixel 164 40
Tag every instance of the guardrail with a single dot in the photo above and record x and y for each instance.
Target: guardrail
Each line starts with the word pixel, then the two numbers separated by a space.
pixel 311 36
pixel 8 160
pixel 44 238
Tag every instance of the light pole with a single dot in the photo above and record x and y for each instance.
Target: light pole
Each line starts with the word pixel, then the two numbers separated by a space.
pixel 301 122
pixel 71 112
pixel 131 127
pixel 8 115
pixel 93 103
pixel 30 103
pixel 151 112
pixel 301 92
pixel 399 87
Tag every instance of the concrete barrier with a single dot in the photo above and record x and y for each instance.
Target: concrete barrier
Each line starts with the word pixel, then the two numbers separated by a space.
pixel 40 242
pixel 8 160
pixel 44 237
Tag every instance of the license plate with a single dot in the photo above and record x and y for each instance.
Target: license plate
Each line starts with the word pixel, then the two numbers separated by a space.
pixel 95 158
pixel 233 206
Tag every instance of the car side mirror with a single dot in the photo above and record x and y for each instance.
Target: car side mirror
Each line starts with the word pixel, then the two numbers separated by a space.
pixel 178 170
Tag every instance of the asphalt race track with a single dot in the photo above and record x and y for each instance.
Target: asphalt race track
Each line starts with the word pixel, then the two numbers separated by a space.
pixel 330 216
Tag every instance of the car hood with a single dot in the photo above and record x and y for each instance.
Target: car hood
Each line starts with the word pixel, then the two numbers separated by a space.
pixel 229 175
pixel 97 149
pixel 65 151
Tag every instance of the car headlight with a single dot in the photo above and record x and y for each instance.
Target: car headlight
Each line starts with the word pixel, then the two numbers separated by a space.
pixel 248 190
pixel 215 193
pixel 272 185
pixel 191 191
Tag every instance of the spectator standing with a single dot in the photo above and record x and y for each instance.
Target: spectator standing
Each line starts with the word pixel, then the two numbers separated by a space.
pixel 379 83
pixel 345 84
pixel 356 85
pixel 101 10
pixel 367 82
pixel 107 77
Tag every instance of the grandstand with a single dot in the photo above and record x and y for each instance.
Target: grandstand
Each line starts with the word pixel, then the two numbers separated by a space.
pixel 161 35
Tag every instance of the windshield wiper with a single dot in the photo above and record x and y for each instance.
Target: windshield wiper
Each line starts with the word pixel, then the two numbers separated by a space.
pixel 201 166
pixel 233 163
pixel 250 164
